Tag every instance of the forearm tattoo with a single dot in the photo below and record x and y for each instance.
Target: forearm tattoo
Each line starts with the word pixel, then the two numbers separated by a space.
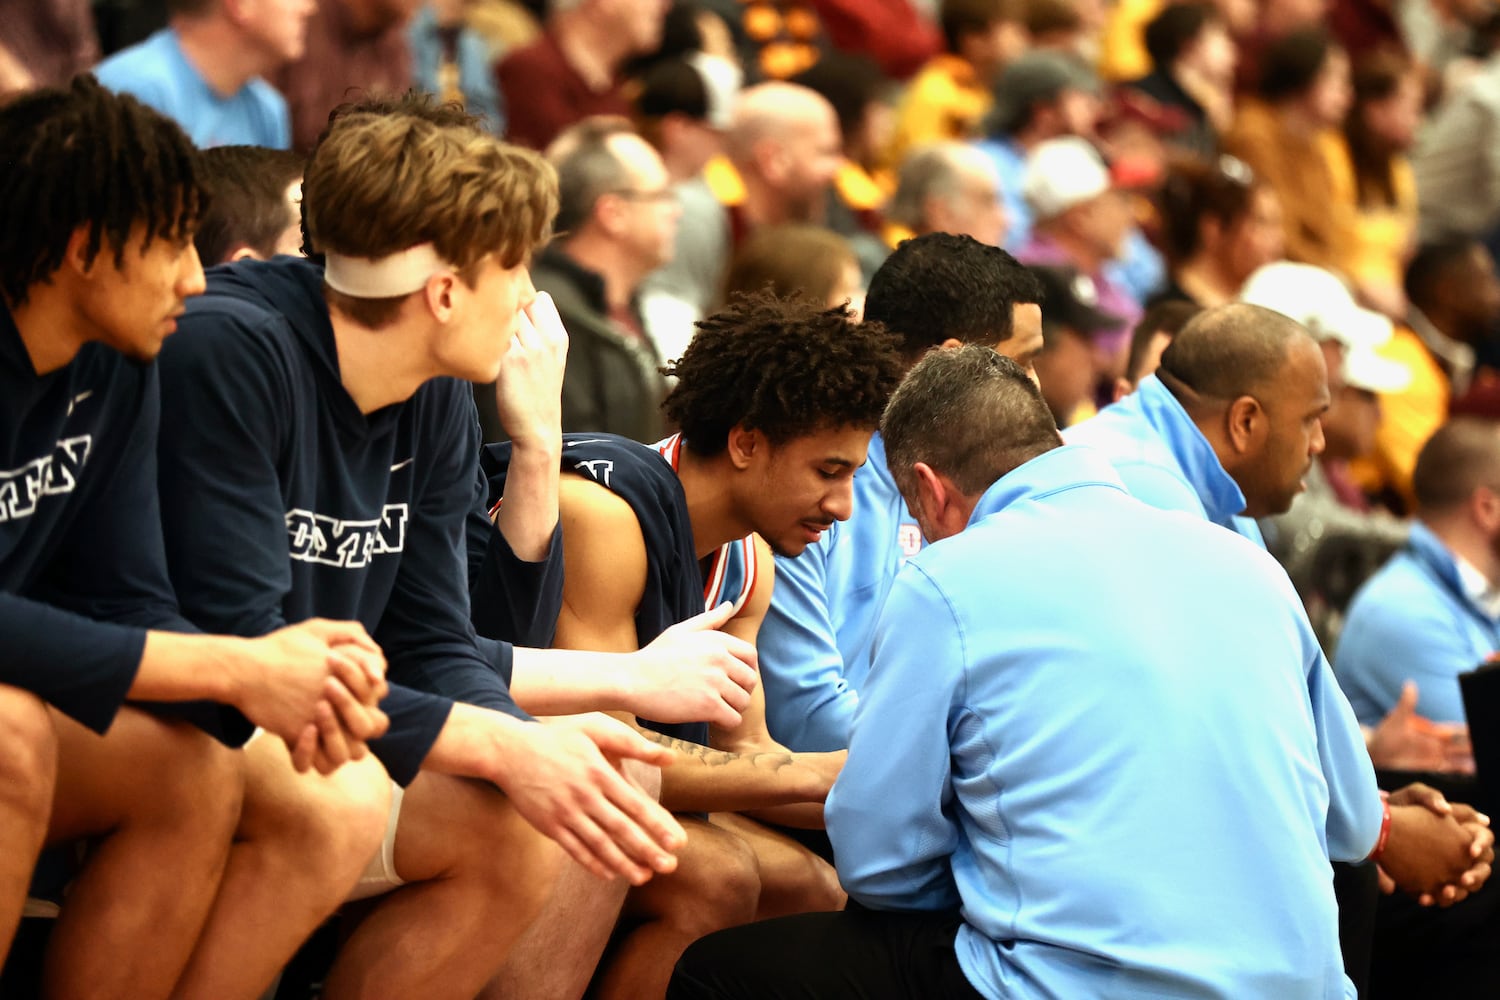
pixel 773 760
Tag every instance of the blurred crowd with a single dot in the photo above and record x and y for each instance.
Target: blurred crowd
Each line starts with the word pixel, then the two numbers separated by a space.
pixel 1159 152
pixel 1156 152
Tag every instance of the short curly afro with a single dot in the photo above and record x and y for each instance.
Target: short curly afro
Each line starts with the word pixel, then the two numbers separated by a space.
pixel 787 367
pixel 82 155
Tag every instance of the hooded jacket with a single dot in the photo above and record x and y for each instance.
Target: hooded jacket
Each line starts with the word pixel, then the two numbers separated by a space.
pixel 282 501
pixel 82 572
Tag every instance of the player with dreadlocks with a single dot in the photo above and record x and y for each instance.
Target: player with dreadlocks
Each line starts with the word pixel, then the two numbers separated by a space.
pixel 776 400
pixel 100 197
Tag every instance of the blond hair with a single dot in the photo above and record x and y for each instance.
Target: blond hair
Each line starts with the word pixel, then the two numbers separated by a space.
pixel 378 183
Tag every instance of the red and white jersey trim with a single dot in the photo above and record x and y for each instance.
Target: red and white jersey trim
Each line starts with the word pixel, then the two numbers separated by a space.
pixel 735 566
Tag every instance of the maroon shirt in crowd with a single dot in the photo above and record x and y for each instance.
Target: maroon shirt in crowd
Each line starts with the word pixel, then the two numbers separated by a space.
pixel 544 94
pixel 342 63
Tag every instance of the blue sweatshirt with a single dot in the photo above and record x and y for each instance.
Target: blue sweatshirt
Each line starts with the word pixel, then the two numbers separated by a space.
pixel 1136 802
pixel 815 642
pixel 1164 458
pixel 82 573
pixel 1413 620
pixel 283 502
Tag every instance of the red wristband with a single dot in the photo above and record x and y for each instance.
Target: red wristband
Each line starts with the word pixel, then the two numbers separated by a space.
pixel 1385 829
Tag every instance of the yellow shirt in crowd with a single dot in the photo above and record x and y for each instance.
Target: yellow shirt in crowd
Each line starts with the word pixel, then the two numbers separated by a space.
pixel 1301 169
pixel 1408 418
pixel 1380 239
pixel 1122 54
pixel 946 100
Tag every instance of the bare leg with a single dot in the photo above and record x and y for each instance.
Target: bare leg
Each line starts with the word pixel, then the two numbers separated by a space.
pixel 555 958
pixel 479 874
pixel 715 886
pixel 165 798
pixel 302 843
pixel 28 772
pixel 792 878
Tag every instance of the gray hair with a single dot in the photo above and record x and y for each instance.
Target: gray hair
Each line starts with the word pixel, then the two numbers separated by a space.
pixel 969 413
pixel 930 171
pixel 587 168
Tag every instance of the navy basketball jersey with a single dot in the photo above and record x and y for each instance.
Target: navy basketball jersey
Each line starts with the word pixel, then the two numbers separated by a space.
pixel 637 474
pixel 731 571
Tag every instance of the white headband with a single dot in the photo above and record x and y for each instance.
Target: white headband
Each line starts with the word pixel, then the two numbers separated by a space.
pixel 400 273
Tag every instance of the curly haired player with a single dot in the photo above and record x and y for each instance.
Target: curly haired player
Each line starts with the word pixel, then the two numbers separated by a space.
pixel 776 401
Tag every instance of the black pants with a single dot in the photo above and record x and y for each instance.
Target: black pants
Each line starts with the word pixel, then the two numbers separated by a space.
pixel 1357 888
pixel 858 954
pixel 1427 951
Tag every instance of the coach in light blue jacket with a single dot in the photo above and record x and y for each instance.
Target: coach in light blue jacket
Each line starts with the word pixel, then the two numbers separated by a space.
pixel 937 290
pixel 1099 752
pixel 1433 611
pixel 1165 459
pixel 1227 430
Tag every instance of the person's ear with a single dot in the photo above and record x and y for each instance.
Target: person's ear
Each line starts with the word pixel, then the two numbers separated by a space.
pixel 668 131
pixel 1245 424
pixel 439 295
pixel 772 160
pixel 75 256
pixel 241 252
pixel 743 444
pixel 941 502
pixel 919 498
pixel 609 214
pixel 1484 508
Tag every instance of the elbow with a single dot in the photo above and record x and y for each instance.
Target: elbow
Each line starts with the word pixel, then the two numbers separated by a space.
pixel 913 888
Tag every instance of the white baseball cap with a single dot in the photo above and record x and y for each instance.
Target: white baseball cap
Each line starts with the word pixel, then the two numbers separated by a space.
pixel 1367 370
pixel 721 83
pixel 1061 173
pixel 1319 301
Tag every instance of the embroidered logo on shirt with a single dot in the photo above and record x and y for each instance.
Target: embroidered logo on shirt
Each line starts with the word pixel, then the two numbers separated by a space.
pixel 48 476
pixel 401 465
pixel 909 537
pixel 78 399
pixel 330 541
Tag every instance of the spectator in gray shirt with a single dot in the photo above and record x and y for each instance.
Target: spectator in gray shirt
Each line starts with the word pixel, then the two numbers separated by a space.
pixel 1457 156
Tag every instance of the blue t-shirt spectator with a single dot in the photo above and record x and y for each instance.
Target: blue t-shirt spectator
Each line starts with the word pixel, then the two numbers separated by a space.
pixel 159 73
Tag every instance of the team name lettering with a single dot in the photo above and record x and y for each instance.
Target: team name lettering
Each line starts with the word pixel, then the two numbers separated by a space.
pixel 49 476
pixel 330 541
pixel 598 468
